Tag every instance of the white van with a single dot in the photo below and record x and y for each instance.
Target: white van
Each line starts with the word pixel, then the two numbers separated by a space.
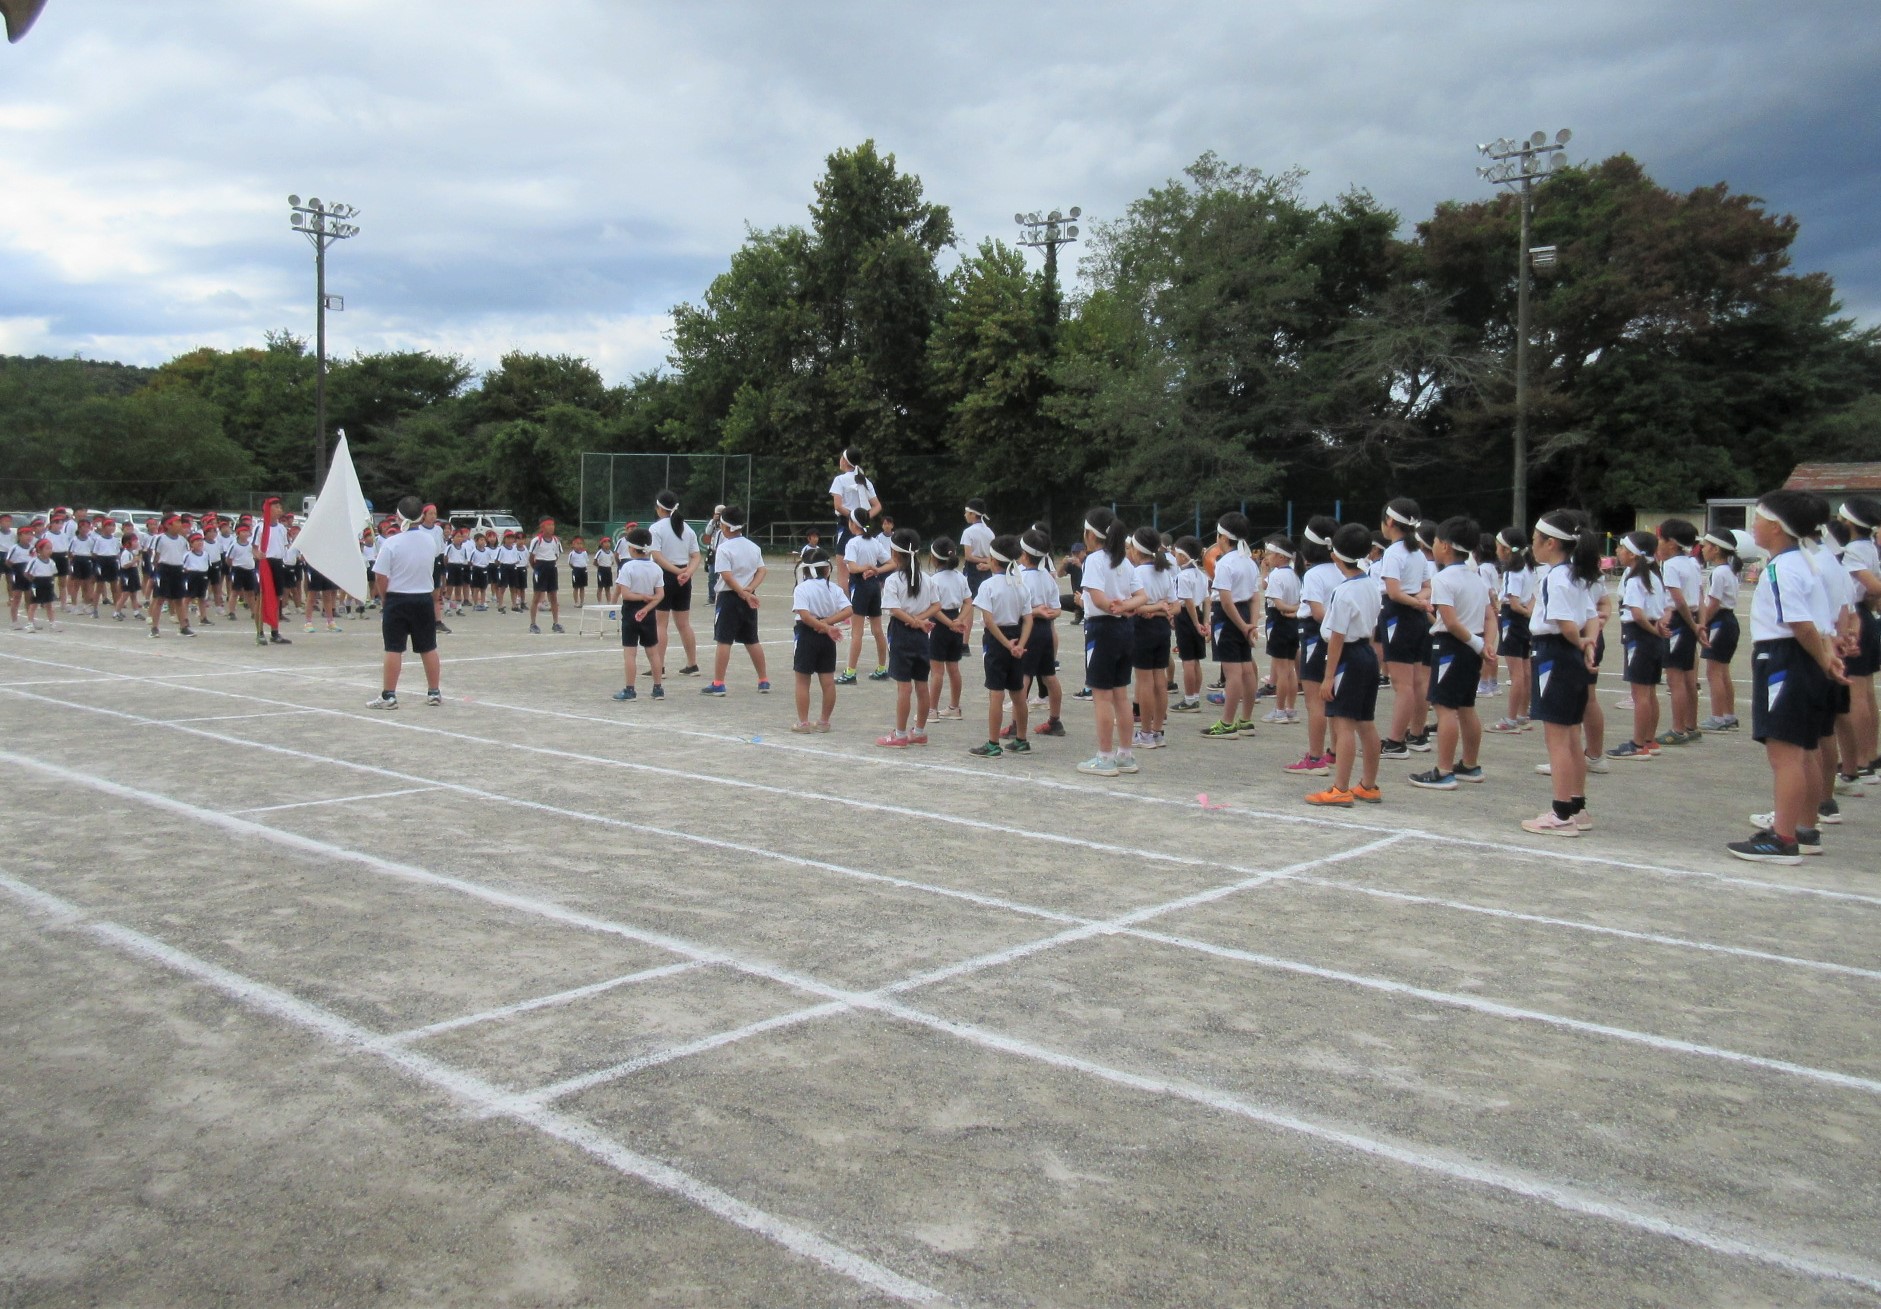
pixel 485 520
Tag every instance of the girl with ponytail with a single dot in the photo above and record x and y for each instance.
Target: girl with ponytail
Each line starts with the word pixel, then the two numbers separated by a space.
pixel 852 496
pixel 1156 576
pixel 1317 584
pixel 1280 582
pixel 1041 651
pixel 870 559
pixel 1191 621
pixel 1005 626
pixel 975 543
pixel 1405 572
pixel 1563 629
pixel 1719 617
pixel 1643 623
pixel 910 608
pixel 1232 627
pixel 952 623
pixel 1512 637
pixel 1111 595
pixel 819 606
pixel 676 551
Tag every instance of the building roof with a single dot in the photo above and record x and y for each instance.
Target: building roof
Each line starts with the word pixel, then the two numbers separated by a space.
pixel 1835 477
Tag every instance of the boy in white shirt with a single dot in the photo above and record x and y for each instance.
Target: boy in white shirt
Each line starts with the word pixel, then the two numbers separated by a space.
pixel 1460 597
pixel 739 566
pixel 1349 689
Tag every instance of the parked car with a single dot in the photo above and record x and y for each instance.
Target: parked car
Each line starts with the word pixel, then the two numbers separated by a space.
pixel 135 517
pixel 485 520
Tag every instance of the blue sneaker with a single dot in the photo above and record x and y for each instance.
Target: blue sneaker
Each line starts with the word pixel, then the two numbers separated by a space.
pixel 659 692
pixel 764 688
pixel 1467 774
pixel 625 693
pixel 712 688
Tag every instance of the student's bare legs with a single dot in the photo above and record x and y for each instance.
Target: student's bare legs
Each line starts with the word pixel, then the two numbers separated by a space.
pixel 1403 700
pixel 630 663
pixel 1518 687
pixel 1861 718
pixel 1344 735
pixel 1110 709
pixel 1567 766
pixel 1470 737
pixel 721 660
pixel 1723 694
pixel 827 683
pixel 1645 714
pixel 1593 728
pixel 803 699
pixel 1793 781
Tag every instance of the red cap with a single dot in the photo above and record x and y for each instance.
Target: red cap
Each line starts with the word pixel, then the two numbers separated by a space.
pixel 195 536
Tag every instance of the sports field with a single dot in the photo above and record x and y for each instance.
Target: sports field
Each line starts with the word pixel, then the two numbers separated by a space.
pixel 539 999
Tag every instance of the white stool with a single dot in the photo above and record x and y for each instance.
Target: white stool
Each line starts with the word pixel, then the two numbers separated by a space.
pixel 606 619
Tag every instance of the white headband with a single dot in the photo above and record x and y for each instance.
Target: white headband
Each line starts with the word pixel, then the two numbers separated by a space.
pixel 1549 529
pixel 1092 530
pixel 1849 518
pixel 1316 538
pixel 820 566
pixel 1281 550
pixel 1219 528
pixel 1721 543
pixel 1345 559
pixel 934 553
pixel 1769 517
pixel 904 550
pixel 977 513
pixel 1397 517
pixel 1000 557
pixel 1182 555
pixel 1039 554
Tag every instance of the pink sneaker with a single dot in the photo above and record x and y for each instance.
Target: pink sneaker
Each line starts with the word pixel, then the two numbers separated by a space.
pixel 1312 765
pixel 1549 825
pixel 917 738
pixel 894 741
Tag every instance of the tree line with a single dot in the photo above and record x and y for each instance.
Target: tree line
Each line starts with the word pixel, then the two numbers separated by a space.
pixel 1226 343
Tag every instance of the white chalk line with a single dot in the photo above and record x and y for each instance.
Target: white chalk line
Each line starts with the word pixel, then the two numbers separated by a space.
pixel 540 1002
pixel 338 799
pixel 230 718
pixel 1669 1044
pixel 1553 1194
pixel 479 1095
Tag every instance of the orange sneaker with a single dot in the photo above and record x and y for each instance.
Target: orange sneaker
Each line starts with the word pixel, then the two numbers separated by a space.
pixel 1369 794
pixel 1332 795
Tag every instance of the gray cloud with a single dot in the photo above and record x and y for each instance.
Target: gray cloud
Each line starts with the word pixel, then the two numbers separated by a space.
pixel 557 176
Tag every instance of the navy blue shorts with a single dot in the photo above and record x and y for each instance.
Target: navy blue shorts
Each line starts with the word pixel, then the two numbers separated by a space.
pixel 1513 641
pixel 1405 630
pixel 1191 645
pixel 1561 682
pixel 1454 671
pixel 865 596
pixel 638 631
pixel 1312 652
pixel 677 597
pixel 1724 633
pixel 1681 647
pixel 1355 684
pixel 1149 644
pixel 1041 656
pixel 815 653
pixel 548 578
pixel 737 622
pixel 907 654
pixel 1109 644
pixel 1643 655
pixel 1866 661
pixel 1231 644
pixel 1005 671
pixel 1789 697
pixel 944 645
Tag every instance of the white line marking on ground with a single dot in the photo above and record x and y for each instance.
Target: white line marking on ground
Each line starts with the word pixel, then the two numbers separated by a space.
pixel 230 718
pixel 540 1002
pixel 1505 1011
pixel 480 1095
pixel 1550 1193
pixel 338 799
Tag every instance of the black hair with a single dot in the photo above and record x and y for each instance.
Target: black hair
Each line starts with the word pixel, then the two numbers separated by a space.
pixel 854 456
pixel 907 543
pixel 1380 541
pixel 1800 510
pixel 1680 530
pixel 1643 545
pixel 813 558
pixel 1007 545
pixel 1426 534
pixel 1191 547
pixel 945 552
pixel 734 516
pixel 1237 526
pixel 1110 527
pixel 1402 513
pixel 1485 551
pixel 669 501
pixel 1281 541
pixel 1325 528
pixel 1463 534
pixel 640 538
pixel 978 506
pixel 1150 542
pixel 867 527
pixel 1036 543
pixel 1864 511
pixel 1840 531
pixel 1521 555
pixel 1583 549
pixel 1354 541
pixel 411 508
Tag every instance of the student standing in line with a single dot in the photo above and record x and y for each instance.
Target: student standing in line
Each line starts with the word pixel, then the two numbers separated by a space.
pixel 1404 625
pixel 1719 616
pixel 1349 686
pixel 910 607
pixel 42 576
pixel 1316 587
pixel 1793 666
pixel 545 549
pixel 104 562
pixel 1567 553
pixel 578 559
pixel 740 567
pixel 1643 622
pixel 1684 593
pixel 1483 558
pixel 1459 637
pixel 131 582
pixel 196 579
pixel 676 549
pixel 1231 628
pixel 952 624
pixel 641 583
pixel 482 559
pixel 1040 582
pixel 1191 622
pixel 1111 597
pixel 1281 586
pixel 167 553
pixel 976 546
pixel 1862 561
pixel 870 559
pixel 1150 632
pixel 820 607
pixel 1517 591
pixel 1005 627
pixel 604 569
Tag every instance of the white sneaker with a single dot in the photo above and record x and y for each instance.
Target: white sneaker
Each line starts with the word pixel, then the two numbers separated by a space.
pixel 1597 764
pixel 1549 825
pixel 1274 716
pixel 1126 762
pixel 1849 786
pixel 380 702
pixel 1098 766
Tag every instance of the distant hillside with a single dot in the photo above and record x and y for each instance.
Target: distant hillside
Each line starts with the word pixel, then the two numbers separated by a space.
pixel 98 376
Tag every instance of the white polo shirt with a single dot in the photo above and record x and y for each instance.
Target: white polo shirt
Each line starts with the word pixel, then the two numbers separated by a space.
pixel 405 561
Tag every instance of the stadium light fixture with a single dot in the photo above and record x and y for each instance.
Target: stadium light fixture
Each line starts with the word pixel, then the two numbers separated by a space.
pixel 322 225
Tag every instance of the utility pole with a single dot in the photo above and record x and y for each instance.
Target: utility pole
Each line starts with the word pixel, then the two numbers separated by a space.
pixel 1047 234
pixel 322 225
pixel 1521 164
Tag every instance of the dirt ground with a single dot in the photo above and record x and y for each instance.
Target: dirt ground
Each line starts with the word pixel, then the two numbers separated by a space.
pixel 537 998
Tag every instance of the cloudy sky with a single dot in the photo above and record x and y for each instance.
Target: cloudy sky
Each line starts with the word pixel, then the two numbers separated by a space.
pixel 555 174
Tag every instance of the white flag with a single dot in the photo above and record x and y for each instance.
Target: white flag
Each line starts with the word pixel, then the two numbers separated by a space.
pixel 329 539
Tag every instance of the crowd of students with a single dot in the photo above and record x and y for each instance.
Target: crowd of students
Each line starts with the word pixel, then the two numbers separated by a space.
pixel 1440 611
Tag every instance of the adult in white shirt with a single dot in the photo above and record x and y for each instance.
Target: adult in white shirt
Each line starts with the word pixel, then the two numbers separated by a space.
pixel 676 551
pixel 402 580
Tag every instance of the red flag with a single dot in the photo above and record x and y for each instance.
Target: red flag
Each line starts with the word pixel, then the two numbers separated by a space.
pixel 264 571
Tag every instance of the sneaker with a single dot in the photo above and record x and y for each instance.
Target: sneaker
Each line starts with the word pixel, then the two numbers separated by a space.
pixel 1464 773
pixel 1082 693
pixel 1767 847
pixel 444 628
pixel 1245 727
pixel 1187 706
pixel 259 639
pixel 1141 739
pixel 764 688
pixel 1419 742
pixel 308 627
pixel 802 728
pixel 690 670
pixel 1809 840
pixel 1019 745
pixel 1007 732
pixel 434 698
pixel 846 678
pixel 1333 796
pixel 1667 738
pixel 117 614
pixel 1311 765
pixel 1848 786
pixel 712 688
pixel 1763 822
pixel 1051 728
pixel 1693 735
pixel 952 715
pixel 1506 725
pixel 1274 716
pixel 1220 731
pixel 917 738
pixel 187 631
pixel 991 750
pixel 553 627
pixel 659 692
pixel 1712 724
pixel 1432 780
pixel 823 725
pixel 1367 794
pixel 1394 750
pixel 626 693
pixel 893 741
pixel 1628 750
pixel 1218 684
pixel 1126 762
pixel 1549 825
pixel 1829 812
pixel 1598 764
pixel 382 702
pixel 534 630
pixel 1098 766
pixel 879 675
pixel 1217 697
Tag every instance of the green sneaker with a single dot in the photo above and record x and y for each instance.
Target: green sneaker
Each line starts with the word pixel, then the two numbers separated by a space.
pixel 1245 727
pixel 990 750
pixel 1220 731
pixel 1018 745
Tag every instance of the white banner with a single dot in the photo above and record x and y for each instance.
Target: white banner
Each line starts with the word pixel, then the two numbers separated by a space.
pixel 329 539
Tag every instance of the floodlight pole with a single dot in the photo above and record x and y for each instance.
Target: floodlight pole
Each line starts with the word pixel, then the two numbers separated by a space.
pixel 322 225
pixel 1047 234
pixel 1522 164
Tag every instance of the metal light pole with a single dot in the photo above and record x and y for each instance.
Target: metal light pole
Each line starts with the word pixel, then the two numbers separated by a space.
pixel 1522 164
pixel 322 225
pixel 1047 234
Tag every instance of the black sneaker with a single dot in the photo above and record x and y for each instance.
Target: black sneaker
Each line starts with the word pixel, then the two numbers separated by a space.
pixel 1084 694
pixel 1432 780
pixel 1768 848
pixel 1829 812
pixel 442 627
pixel 1809 840
pixel 1419 743
pixel 1053 728
pixel 275 638
pixel 1393 750
pixel 434 698
pixel 690 670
